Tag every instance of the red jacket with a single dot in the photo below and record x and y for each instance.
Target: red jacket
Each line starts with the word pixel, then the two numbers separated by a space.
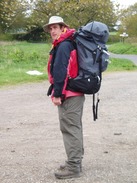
pixel 62 65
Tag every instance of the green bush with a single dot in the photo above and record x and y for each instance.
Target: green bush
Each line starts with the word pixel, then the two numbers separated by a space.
pixel 17 55
pixel 132 40
pixel 36 35
pixel 5 37
pixel 114 38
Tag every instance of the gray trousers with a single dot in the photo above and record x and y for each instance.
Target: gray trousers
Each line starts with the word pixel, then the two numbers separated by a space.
pixel 70 117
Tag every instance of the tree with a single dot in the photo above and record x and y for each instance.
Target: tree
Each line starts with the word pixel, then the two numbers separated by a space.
pixel 129 20
pixel 12 14
pixel 33 14
pixel 75 12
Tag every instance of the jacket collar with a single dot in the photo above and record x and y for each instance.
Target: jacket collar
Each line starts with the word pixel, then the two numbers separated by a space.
pixel 67 33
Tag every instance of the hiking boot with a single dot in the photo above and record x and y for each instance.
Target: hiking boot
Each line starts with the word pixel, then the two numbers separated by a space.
pixel 63 167
pixel 67 174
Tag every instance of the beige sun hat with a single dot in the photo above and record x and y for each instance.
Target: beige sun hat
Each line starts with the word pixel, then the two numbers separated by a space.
pixel 54 20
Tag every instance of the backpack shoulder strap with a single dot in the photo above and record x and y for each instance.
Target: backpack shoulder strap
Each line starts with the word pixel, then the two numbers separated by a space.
pixel 53 53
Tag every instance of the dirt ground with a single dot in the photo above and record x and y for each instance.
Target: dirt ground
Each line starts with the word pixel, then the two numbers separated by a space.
pixel 31 146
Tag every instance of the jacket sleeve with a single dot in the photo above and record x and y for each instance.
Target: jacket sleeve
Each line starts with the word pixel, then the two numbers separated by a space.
pixel 60 67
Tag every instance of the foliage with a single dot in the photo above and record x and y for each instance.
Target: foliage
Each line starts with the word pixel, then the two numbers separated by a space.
pixel 132 40
pixel 19 16
pixel 113 38
pixel 5 37
pixel 75 13
pixel 129 20
pixel 12 14
pixel 131 25
pixel 35 35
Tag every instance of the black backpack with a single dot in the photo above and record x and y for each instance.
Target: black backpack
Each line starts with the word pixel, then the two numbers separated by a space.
pixel 90 41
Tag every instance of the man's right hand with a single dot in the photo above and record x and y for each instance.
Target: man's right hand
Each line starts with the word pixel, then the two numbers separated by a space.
pixel 56 101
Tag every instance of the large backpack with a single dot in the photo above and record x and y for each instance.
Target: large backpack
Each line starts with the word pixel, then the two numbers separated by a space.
pixel 93 59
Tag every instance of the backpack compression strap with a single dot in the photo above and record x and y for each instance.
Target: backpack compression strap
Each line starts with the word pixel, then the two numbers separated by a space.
pixel 95 106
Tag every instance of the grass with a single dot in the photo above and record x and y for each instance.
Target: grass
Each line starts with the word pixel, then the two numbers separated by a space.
pixel 121 65
pixel 123 48
pixel 19 57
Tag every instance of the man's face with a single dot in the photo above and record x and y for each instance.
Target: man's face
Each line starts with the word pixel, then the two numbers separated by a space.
pixel 55 31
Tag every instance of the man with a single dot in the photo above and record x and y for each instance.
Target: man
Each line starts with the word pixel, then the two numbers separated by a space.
pixel 70 104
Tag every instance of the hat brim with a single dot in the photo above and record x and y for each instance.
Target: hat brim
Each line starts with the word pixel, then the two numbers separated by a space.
pixel 46 26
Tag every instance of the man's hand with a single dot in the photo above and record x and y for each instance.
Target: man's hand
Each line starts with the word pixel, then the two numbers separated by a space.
pixel 56 101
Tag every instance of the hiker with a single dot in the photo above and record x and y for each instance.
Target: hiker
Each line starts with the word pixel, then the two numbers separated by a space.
pixel 69 103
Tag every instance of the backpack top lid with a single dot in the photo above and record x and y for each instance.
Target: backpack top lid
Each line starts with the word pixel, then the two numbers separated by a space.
pixel 97 30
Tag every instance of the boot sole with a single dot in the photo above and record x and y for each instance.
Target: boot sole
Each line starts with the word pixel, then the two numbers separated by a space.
pixel 67 176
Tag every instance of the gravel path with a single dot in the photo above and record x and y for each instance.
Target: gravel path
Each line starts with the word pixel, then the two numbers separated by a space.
pixel 31 146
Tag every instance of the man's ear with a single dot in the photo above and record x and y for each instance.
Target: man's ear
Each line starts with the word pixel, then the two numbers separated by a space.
pixel 62 28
